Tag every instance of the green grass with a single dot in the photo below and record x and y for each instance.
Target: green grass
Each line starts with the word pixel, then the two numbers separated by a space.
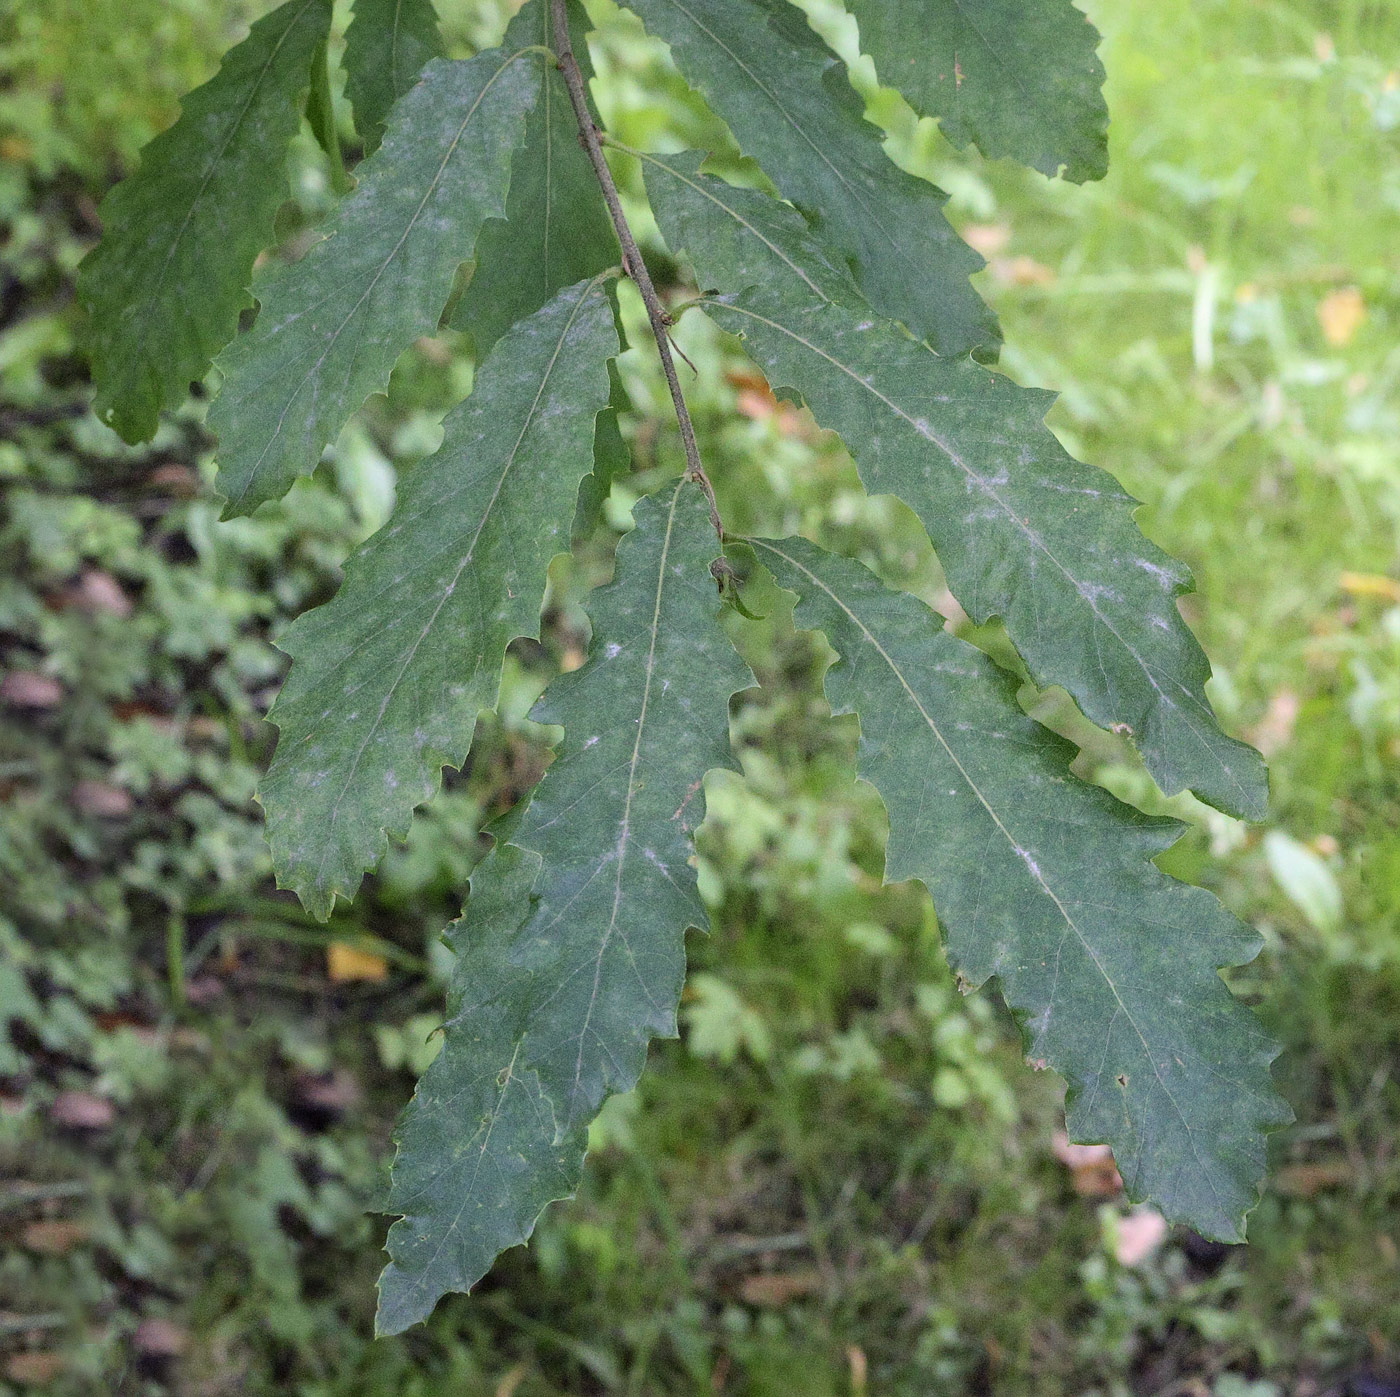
pixel 842 1179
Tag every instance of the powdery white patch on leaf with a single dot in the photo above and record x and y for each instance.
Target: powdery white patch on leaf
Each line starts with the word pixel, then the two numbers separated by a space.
pixel 1019 78
pixel 789 102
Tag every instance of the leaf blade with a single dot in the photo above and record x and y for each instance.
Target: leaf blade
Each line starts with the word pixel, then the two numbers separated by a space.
pixel 452 1225
pixel 1023 530
pixel 612 457
pixel 571 951
pixel 333 324
pixel 790 104
pixel 388 677
pixel 1047 883
pixel 556 230
pixel 1019 78
pixel 658 653
pixel 197 212
pixel 387 45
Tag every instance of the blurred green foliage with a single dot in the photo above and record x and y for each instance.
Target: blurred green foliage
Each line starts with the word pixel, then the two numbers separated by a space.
pixel 842 1179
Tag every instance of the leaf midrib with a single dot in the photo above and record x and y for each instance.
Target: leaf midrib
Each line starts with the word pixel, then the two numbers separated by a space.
pixel 735 215
pixel 468 1193
pixel 623 846
pixel 996 58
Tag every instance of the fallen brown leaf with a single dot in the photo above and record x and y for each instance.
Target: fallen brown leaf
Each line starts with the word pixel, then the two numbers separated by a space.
pixel 99 593
pixel 53 1237
pixel 762 405
pixel 321 1098
pixel 774 1289
pixel 1091 1167
pixel 82 1110
pixel 512 1379
pixel 347 962
pixel 1341 314
pixel 1304 1180
pixel 160 1338
pixel 987 238
pixel 1367 584
pixel 1139 1235
pixel 860 1369
pixel 102 800
pixel 1022 271
pixel 1274 730
pixel 174 478
pixel 27 688
pixel 35 1368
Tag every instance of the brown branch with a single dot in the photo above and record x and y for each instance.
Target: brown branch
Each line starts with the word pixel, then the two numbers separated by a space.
pixel 631 256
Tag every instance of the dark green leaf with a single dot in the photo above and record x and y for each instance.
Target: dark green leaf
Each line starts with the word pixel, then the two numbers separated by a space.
pixel 790 105
pixel 333 325
pixel 321 117
pixel 195 215
pixel 612 458
pixel 1048 884
pixel 1024 531
pixel 571 953
pixel 612 819
pixel 1018 77
pixel 478 1154
pixel 387 46
pixel 390 675
pixel 556 229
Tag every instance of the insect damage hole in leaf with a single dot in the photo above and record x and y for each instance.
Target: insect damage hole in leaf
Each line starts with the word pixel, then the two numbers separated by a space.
pixel 852 289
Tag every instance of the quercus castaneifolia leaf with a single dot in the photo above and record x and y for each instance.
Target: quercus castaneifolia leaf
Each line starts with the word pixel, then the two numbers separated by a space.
pixel 1019 78
pixel 556 229
pixel 388 677
pixel 1023 530
pixel 571 951
pixel 331 326
pixel 387 45
pixel 478 1155
pixel 612 459
pixel 164 288
pixel 1048 885
pixel 791 106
